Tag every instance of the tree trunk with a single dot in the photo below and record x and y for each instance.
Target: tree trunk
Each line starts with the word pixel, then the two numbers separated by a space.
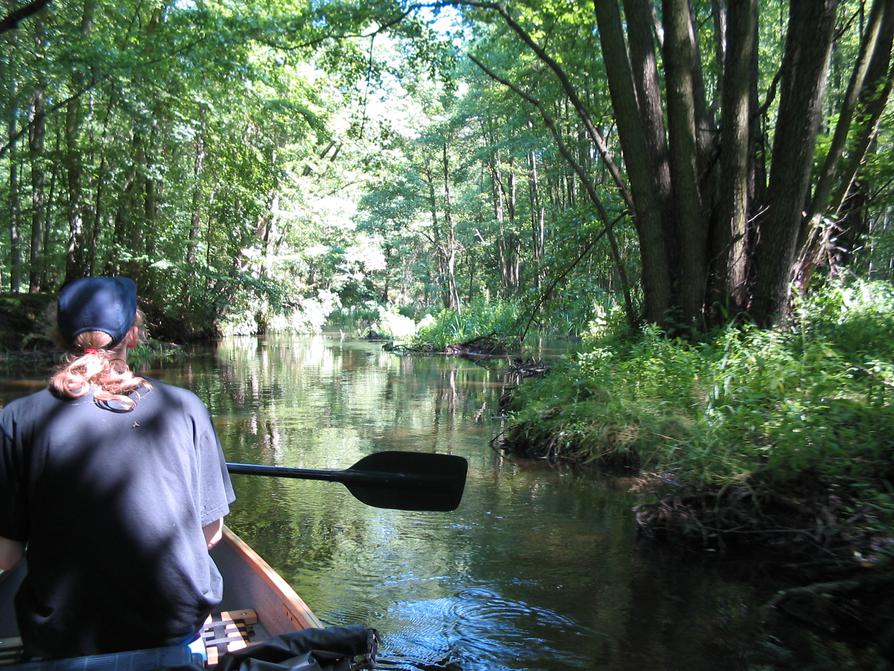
pixel 640 27
pixel 728 240
pixel 804 73
pixel 853 223
pixel 757 152
pixel 705 123
pixel 137 204
pixel 37 130
pixel 50 199
pixel 152 193
pixel 196 217
pixel 507 240
pixel 436 237
pixel 124 205
pixel 498 195
pixel 76 264
pixel 642 167
pixel 682 113
pixel 13 205
pixel 720 17
pixel 450 236
pixel 538 212
pixel 124 209
pixel 92 259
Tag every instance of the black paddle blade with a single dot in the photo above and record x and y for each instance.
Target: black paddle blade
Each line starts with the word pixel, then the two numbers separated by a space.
pixel 400 480
pixel 408 480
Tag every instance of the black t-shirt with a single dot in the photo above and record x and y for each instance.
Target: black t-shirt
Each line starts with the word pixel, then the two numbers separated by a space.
pixel 112 505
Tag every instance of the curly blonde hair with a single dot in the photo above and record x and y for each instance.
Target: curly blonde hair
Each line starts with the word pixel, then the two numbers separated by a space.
pixel 91 365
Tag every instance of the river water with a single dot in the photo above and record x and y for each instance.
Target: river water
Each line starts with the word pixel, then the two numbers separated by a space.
pixel 538 568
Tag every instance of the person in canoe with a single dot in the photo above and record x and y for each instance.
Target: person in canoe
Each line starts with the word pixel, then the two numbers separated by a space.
pixel 113 488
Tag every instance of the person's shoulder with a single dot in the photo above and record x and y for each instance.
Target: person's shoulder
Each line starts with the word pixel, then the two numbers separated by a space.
pixel 39 397
pixel 33 404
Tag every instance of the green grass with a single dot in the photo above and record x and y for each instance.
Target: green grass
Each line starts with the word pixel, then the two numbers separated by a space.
pixel 742 405
pixel 153 351
pixel 497 319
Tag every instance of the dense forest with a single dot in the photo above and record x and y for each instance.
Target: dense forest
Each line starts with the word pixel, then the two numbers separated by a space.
pixel 262 165
pixel 701 191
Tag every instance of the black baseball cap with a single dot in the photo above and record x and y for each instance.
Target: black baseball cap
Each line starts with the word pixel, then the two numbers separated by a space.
pixel 107 304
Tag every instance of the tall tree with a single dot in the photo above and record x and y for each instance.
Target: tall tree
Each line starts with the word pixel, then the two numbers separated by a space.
pixel 37 121
pixel 78 220
pixel 713 231
pixel 803 82
pixel 13 205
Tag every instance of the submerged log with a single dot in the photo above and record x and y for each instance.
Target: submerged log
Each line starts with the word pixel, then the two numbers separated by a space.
pixel 487 345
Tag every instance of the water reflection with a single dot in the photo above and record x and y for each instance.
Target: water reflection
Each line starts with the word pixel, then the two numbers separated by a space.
pixel 537 569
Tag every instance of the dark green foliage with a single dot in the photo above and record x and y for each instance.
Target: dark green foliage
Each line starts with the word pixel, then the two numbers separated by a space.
pixel 495 321
pixel 744 405
pixel 260 164
pixel 27 321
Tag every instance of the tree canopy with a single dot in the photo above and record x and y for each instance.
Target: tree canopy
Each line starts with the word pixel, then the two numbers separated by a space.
pixel 263 165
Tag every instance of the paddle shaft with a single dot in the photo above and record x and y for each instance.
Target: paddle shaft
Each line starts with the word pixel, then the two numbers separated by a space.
pixel 347 477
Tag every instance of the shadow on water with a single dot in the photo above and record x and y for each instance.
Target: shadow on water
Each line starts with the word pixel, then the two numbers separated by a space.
pixel 537 569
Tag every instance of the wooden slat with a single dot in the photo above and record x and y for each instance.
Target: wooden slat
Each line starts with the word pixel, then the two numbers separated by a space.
pixel 10 650
pixel 246 615
pixel 228 631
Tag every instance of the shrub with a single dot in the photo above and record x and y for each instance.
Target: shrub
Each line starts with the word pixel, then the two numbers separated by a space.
pixel 811 400
pixel 310 315
pixel 481 318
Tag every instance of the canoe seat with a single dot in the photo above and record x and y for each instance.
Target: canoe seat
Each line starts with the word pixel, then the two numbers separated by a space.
pixel 10 650
pixel 227 631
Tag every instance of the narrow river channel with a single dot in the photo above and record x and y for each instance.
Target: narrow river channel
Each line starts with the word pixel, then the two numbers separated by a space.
pixel 539 568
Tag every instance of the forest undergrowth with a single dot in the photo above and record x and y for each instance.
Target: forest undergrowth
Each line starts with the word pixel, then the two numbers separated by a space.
pixel 481 327
pixel 745 441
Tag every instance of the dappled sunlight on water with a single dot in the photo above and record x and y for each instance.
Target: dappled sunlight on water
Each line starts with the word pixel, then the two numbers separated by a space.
pixel 537 569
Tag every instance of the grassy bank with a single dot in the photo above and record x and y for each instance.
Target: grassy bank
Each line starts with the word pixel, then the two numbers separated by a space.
pixel 805 408
pixel 779 442
pixel 491 325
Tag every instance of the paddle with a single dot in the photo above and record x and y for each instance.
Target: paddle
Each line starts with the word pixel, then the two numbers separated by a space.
pixel 401 480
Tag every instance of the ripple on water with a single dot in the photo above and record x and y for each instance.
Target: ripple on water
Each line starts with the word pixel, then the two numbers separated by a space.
pixel 477 629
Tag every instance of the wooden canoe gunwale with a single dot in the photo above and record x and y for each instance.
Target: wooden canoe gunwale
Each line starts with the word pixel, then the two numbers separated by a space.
pixel 279 607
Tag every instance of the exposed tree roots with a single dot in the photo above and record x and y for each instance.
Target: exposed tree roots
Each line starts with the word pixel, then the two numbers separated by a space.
pixel 805 519
pixel 841 571
pixel 487 345
pixel 480 346
pixel 835 566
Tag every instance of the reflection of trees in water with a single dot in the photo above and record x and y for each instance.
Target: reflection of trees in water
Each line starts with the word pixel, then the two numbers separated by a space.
pixel 324 402
pixel 446 402
pixel 532 554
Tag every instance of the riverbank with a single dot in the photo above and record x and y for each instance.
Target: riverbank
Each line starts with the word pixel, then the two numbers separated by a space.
pixel 27 334
pixel 26 322
pixel 778 443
